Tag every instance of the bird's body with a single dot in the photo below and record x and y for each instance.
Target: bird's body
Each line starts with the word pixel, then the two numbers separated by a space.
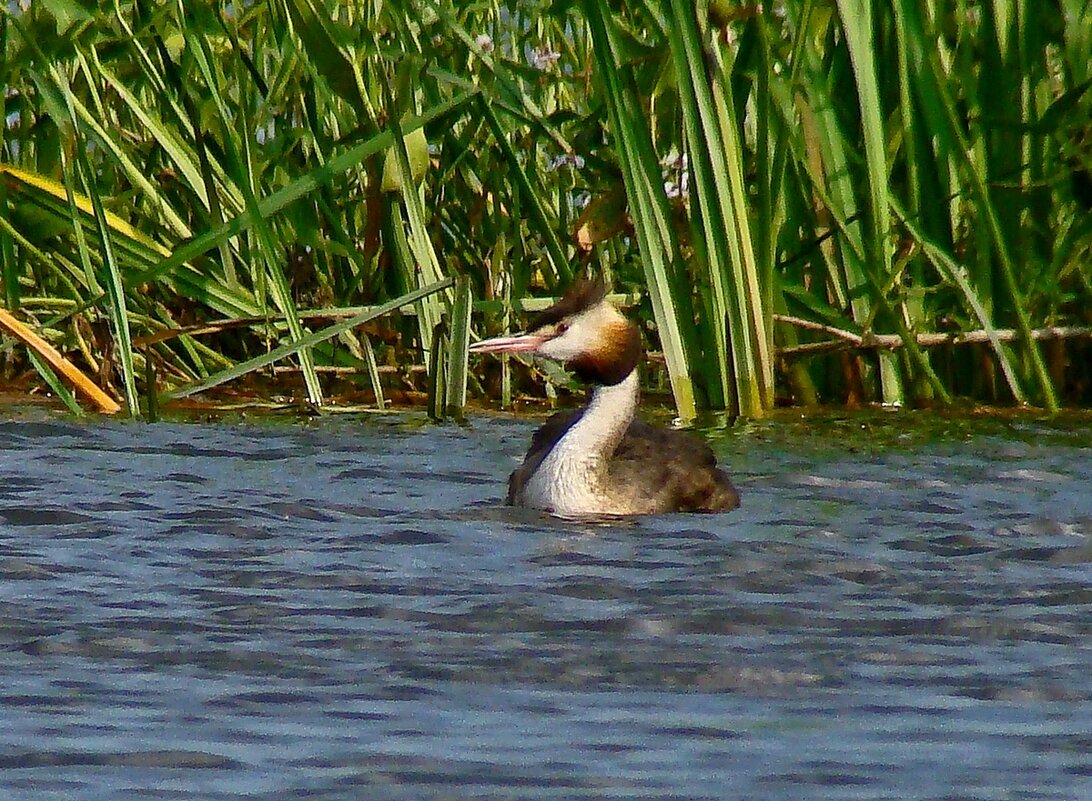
pixel 600 460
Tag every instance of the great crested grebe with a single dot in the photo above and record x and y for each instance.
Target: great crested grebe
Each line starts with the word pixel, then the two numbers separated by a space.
pixel 599 460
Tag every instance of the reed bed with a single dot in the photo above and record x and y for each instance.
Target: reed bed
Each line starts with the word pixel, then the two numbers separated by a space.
pixel 808 201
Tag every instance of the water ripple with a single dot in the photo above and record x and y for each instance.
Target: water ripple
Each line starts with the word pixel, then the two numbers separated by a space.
pixel 344 610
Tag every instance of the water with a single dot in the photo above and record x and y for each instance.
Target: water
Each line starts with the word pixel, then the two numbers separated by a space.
pixel 343 610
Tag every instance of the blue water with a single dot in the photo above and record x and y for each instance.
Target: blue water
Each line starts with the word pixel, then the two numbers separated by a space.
pixel 343 610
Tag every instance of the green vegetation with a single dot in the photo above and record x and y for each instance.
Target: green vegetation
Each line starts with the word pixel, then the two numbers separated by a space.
pixel 810 200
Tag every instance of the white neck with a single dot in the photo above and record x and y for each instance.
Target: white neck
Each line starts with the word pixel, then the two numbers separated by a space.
pixel 571 479
pixel 606 418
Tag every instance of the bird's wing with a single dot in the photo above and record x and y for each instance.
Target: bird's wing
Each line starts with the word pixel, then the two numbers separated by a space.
pixel 678 468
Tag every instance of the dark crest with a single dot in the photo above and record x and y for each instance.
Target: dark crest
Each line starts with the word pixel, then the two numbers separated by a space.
pixel 582 295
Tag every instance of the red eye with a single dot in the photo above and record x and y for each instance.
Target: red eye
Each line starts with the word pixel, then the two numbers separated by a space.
pixel 562 328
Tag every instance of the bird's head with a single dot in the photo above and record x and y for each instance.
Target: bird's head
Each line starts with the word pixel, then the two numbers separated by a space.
pixel 583 331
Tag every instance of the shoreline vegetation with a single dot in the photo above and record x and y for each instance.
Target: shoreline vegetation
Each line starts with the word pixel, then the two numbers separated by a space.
pixel 803 202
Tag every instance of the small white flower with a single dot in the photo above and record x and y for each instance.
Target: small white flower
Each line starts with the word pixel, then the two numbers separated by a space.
pixel 542 58
pixel 485 42
pixel 265 133
pixel 566 160
pixel 676 174
pixel 671 160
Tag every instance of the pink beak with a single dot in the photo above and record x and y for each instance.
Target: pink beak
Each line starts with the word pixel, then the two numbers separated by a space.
pixel 513 344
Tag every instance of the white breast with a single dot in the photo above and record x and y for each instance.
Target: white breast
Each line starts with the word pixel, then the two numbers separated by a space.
pixel 571 479
pixel 567 482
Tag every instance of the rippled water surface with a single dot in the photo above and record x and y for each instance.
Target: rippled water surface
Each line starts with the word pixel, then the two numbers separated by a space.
pixel 342 610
